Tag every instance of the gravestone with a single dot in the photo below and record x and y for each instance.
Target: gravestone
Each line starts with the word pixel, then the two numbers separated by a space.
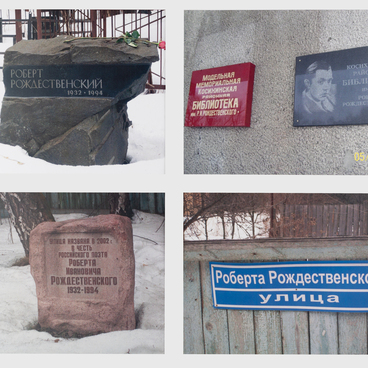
pixel 84 272
pixel 66 99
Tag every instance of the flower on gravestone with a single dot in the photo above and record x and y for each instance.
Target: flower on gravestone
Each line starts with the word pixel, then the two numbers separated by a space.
pixel 129 38
pixel 132 39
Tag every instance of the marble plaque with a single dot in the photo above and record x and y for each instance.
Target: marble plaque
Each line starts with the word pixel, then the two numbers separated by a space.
pixel 332 88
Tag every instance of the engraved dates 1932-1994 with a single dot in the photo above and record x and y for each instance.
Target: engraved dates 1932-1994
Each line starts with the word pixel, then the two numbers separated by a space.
pixel 68 80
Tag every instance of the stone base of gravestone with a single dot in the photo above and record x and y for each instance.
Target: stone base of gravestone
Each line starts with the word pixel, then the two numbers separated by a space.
pixel 84 273
pixel 66 99
pixel 90 139
pixel 99 139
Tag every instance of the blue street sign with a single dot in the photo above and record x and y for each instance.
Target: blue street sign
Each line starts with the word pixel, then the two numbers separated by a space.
pixel 340 286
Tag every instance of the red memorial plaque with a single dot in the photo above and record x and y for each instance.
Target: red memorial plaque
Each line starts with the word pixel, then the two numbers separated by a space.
pixel 221 96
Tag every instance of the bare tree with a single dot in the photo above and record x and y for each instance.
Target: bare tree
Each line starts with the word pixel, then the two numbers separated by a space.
pixel 200 205
pixel 243 210
pixel 26 211
pixel 120 204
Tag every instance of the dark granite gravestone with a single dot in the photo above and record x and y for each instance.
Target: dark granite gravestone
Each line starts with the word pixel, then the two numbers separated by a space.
pixel 332 88
pixel 84 272
pixel 66 99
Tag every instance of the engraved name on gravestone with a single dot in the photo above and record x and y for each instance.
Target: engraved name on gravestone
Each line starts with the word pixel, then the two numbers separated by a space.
pixel 70 80
pixel 84 275
pixel 332 88
pixel 81 264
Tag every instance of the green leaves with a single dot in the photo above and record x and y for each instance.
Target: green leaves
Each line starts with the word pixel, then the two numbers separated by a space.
pixel 132 38
pixel 135 35
pixel 129 38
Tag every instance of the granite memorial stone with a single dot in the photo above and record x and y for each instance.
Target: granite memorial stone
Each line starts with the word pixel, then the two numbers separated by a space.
pixel 66 99
pixel 332 88
pixel 84 272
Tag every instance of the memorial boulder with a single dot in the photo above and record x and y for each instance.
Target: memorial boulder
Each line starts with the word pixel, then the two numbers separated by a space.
pixel 84 271
pixel 66 99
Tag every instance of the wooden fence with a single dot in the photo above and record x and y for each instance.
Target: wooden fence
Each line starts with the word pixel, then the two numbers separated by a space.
pixel 94 203
pixel 322 220
pixel 215 331
pixel 313 221
pixel 146 202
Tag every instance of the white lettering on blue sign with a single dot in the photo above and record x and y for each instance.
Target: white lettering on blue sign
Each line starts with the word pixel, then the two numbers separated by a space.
pixel 323 286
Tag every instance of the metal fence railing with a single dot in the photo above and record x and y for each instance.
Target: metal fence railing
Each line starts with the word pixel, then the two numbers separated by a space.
pixel 37 24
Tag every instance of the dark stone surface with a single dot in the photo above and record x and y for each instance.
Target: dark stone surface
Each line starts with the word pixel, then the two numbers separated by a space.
pixel 341 98
pixel 76 81
pixel 98 140
pixel 70 129
pixel 39 120
pixel 55 51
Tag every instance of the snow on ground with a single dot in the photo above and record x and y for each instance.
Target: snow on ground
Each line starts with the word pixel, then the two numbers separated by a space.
pixel 18 301
pixel 146 135
pixel 215 229
pixel 146 145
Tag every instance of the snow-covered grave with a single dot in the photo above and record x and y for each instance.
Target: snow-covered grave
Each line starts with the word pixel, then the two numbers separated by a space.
pixel 18 301
pixel 146 142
